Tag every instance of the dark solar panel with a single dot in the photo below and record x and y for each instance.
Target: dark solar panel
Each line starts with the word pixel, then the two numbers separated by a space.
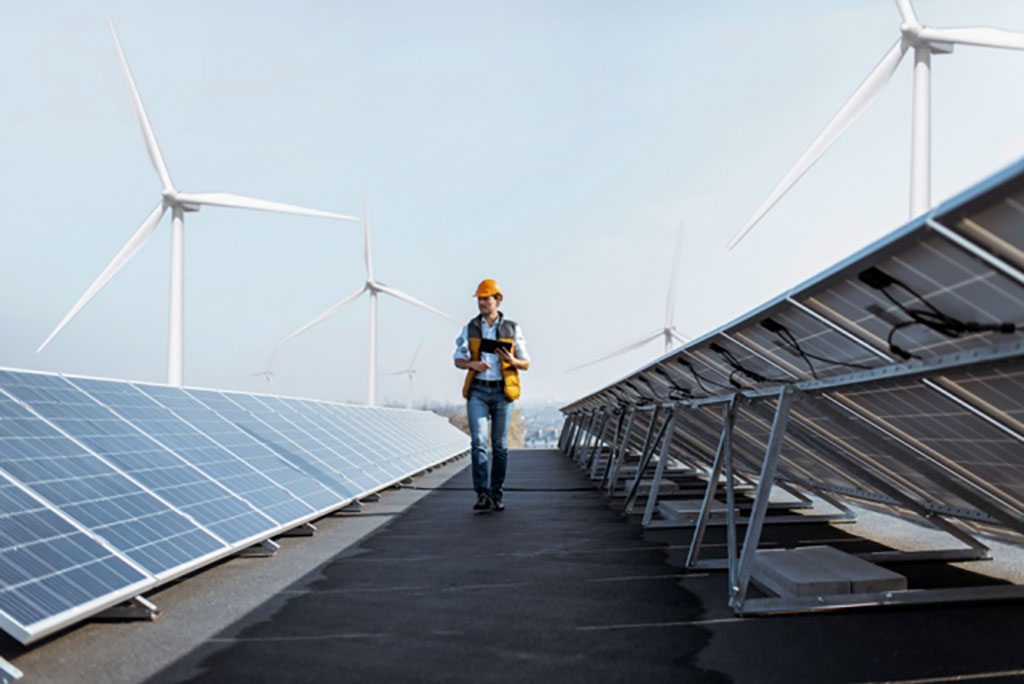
pixel 946 291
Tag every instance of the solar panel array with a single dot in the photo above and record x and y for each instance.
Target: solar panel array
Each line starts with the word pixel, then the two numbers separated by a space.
pixel 109 488
pixel 906 363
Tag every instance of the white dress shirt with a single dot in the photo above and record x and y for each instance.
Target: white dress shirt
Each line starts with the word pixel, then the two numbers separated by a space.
pixel 490 333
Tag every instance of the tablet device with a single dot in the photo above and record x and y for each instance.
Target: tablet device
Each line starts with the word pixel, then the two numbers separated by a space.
pixel 491 346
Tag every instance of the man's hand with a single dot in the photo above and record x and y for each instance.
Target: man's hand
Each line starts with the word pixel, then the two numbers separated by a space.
pixel 506 356
pixel 478 366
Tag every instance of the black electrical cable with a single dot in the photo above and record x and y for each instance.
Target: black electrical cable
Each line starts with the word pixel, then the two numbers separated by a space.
pixel 699 379
pixel 788 338
pixel 738 367
pixel 931 317
pixel 675 393
pixel 507 489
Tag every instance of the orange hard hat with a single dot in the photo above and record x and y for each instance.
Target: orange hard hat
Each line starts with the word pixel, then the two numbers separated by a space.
pixel 487 287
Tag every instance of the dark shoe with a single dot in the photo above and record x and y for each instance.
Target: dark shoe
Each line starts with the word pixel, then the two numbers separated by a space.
pixel 483 502
pixel 498 504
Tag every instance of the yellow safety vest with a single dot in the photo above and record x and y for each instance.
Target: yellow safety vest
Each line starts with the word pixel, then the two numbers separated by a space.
pixel 509 373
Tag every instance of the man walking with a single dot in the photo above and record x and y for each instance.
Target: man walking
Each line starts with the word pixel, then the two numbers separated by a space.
pixel 492 351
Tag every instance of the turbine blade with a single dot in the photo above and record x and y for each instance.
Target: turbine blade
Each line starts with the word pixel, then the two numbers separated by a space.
pixel 152 149
pixel 366 237
pixel 415 354
pixel 122 257
pixel 621 350
pixel 858 102
pixel 326 314
pixel 679 336
pixel 227 199
pixel 670 304
pixel 398 294
pixel 984 36
pixel 907 12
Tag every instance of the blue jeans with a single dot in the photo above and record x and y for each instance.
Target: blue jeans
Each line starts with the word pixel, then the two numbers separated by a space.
pixel 484 402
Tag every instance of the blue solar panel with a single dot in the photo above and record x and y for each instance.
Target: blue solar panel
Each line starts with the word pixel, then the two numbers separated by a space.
pixel 244 446
pixel 282 438
pixel 220 465
pixel 406 446
pixel 49 568
pixel 430 436
pixel 102 499
pixel 365 465
pixel 109 488
pixel 176 482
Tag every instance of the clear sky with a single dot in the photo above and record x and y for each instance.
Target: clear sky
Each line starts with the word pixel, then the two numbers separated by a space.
pixel 554 146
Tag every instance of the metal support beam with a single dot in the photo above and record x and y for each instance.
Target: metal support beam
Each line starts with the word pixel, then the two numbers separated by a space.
pixel 564 432
pixel 612 471
pixel 643 450
pixel 645 460
pixel 978 251
pixel 303 530
pixel 372 497
pixel 9 673
pixel 764 488
pixel 136 608
pixel 265 549
pixel 595 463
pixel 911 597
pixel 595 448
pixel 721 454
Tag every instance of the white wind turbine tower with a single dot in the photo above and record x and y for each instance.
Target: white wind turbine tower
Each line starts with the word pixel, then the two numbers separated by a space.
pixel 374 287
pixel 668 332
pixel 925 41
pixel 178 203
pixel 411 372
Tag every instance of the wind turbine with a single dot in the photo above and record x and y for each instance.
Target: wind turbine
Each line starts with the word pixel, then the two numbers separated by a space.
pixel 668 332
pixel 925 41
pixel 267 375
pixel 411 372
pixel 178 203
pixel 374 287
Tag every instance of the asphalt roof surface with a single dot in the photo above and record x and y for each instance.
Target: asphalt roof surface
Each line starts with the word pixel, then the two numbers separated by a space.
pixel 557 588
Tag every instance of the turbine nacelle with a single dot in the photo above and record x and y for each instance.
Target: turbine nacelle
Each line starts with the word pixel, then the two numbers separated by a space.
pixel 925 41
pixel 178 203
pixel 172 199
pixel 912 38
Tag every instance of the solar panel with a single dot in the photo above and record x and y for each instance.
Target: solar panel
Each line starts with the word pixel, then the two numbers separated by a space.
pixel 109 488
pixel 51 569
pixel 267 433
pixel 250 500
pixel 310 437
pixel 356 453
pixel 162 472
pixel 260 458
pixel 907 360
pixel 86 478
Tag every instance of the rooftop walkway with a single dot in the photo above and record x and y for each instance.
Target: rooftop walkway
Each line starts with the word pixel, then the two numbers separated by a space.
pixel 557 588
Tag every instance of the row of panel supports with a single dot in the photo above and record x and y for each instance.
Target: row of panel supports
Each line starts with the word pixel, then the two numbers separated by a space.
pixel 600 441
